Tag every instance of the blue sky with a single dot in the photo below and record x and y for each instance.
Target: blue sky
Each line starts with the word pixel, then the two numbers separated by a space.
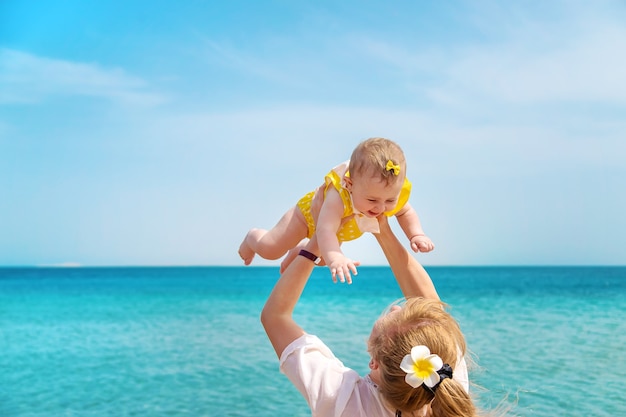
pixel 158 133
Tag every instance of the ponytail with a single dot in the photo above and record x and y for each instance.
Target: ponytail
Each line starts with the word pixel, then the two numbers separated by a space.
pixel 451 400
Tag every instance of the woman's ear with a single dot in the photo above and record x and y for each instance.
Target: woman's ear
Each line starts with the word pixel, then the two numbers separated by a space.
pixel 375 371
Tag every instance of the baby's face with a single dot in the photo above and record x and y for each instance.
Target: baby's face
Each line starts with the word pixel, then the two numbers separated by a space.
pixel 372 196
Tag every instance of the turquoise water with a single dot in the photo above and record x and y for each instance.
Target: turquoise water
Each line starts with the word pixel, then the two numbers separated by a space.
pixel 188 341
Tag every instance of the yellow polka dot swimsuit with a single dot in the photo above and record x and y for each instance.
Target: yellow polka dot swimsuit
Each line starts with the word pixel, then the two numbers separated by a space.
pixel 358 224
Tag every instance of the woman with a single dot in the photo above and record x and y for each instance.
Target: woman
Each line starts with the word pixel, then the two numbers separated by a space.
pixel 417 350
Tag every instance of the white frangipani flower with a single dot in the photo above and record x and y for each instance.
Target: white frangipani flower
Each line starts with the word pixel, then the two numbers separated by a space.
pixel 421 367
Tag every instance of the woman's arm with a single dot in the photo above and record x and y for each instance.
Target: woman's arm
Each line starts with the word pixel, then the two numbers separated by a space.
pixel 412 278
pixel 276 316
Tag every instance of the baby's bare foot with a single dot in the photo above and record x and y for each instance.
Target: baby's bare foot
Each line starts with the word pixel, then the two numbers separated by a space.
pixel 246 253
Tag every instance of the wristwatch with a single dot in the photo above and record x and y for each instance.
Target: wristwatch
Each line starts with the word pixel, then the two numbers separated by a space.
pixel 316 259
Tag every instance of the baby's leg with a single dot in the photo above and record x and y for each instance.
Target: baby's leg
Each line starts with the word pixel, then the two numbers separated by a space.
pixel 274 243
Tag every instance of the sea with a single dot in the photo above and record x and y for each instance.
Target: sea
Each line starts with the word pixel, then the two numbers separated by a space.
pixel 187 341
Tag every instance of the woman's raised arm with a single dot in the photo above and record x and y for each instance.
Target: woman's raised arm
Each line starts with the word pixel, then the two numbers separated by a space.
pixel 412 278
pixel 277 314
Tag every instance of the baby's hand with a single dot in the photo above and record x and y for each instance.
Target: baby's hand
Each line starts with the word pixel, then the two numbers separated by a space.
pixel 422 243
pixel 342 267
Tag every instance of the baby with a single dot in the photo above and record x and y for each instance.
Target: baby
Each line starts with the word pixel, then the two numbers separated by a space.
pixel 371 183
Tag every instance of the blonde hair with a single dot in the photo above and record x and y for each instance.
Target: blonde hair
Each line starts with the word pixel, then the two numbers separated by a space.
pixel 371 157
pixel 420 322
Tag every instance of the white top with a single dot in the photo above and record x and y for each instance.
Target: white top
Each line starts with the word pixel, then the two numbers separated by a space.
pixel 334 390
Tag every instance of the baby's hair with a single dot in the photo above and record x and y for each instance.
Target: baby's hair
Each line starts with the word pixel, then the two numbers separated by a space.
pixel 420 322
pixel 372 157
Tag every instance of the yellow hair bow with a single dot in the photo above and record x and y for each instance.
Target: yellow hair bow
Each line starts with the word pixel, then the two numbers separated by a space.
pixel 392 167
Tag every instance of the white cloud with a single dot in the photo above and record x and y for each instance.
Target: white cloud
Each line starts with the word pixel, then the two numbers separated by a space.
pixel 567 52
pixel 27 78
pixel 575 54
pixel 587 69
pixel 285 71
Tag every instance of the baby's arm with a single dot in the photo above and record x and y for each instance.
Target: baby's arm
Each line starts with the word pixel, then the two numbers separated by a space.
pixel 410 223
pixel 328 223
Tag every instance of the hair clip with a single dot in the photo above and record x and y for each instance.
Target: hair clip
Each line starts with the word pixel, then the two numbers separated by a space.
pixel 392 167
